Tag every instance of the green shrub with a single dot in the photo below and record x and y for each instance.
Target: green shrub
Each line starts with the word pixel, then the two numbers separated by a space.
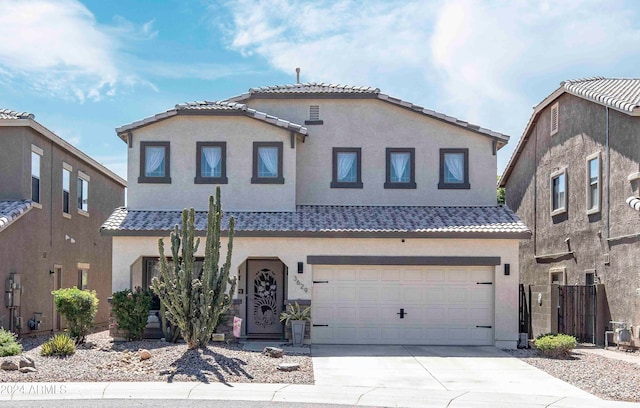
pixel 79 308
pixel 132 312
pixel 556 345
pixel 8 344
pixel 59 345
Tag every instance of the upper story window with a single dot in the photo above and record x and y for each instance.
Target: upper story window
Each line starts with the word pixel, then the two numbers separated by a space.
pixel 66 188
pixel 155 160
pixel 347 167
pixel 211 163
pixel 36 156
pixel 454 169
pixel 558 192
pixel 554 118
pixel 593 183
pixel 83 193
pixel 314 116
pixel 267 163
pixel 400 165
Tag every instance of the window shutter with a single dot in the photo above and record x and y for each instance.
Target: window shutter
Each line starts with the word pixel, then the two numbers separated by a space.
pixel 554 119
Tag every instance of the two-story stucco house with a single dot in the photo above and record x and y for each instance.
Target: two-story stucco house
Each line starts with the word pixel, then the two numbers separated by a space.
pixel 379 213
pixel 570 179
pixel 53 200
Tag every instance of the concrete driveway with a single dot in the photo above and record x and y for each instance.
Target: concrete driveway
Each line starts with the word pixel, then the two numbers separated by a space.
pixel 443 368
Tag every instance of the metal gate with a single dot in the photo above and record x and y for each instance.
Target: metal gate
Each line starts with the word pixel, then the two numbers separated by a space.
pixel 577 312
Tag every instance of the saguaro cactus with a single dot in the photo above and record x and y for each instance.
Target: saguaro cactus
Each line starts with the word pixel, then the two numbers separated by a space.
pixel 194 300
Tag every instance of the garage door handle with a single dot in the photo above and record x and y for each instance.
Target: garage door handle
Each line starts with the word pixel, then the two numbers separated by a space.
pixel 484 327
pixel 484 283
pixel 320 281
pixel 402 313
pixel 320 325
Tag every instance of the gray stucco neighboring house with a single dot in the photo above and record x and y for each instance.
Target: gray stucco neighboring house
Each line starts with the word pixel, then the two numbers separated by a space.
pixel 379 213
pixel 53 199
pixel 574 179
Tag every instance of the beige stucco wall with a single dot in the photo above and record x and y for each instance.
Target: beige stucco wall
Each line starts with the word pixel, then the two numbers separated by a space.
pixel 127 251
pixel 374 125
pixel 239 194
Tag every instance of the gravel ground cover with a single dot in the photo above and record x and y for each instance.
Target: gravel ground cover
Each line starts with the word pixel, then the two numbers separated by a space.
pixel 604 377
pixel 103 360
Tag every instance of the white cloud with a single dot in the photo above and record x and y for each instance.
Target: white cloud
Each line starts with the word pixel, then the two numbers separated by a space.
pixel 57 47
pixel 486 62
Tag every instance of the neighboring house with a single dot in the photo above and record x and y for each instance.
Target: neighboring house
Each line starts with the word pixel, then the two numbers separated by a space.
pixel 53 199
pixel 570 179
pixel 379 213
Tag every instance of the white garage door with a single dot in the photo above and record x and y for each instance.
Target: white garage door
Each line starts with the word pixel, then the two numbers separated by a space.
pixel 441 305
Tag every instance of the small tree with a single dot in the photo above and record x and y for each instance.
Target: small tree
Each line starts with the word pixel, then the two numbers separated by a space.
pixel 132 311
pixel 194 300
pixel 79 308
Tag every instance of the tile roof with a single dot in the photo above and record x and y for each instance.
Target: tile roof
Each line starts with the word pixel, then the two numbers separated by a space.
pixel 322 88
pixel 10 211
pixel 11 114
pixel 618 93
pixel 220 107
pixel 324 220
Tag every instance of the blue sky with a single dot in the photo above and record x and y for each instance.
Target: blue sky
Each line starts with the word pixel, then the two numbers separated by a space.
pixel 86 67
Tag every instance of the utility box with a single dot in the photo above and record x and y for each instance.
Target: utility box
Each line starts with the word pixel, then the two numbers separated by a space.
pixel 12 290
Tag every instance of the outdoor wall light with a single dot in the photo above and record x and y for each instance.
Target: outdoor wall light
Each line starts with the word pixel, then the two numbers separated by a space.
pixel 507 269
pixel 300 267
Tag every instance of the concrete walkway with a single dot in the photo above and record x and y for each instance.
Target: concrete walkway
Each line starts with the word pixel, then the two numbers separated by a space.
pixel 435 368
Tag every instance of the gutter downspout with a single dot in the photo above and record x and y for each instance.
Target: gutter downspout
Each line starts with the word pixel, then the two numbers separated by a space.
pixel 608 172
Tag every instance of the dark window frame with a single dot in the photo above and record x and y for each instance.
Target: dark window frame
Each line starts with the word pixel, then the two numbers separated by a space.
pixel 199 179
pixel 66 194
pixel 411 184
pixel 142 178
pixel 465 185
pixel 279 179
pixel 35 180
pixel 334 178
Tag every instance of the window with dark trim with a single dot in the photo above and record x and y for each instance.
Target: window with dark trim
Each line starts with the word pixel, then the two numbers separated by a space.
pixel 83 279
pixel 211 163
pixel 400 165
pixel 83 195
pixel 66 196
pixel 155 162
pixel 593 183
pixel 267 163
pixel 35 177
pixel 454 169
pixel 347 167
pixel 559 192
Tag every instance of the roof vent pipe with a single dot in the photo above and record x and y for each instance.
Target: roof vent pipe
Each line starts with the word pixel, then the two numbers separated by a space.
pixel 297 75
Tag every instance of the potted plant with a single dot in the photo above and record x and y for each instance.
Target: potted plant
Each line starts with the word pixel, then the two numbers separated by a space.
pixel 298 318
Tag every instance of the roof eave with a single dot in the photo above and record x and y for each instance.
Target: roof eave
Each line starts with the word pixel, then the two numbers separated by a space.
pixel 333 234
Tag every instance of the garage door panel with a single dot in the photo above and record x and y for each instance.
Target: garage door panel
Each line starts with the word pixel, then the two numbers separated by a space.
pixel 443 305
pixel 391 294
pixel 368 294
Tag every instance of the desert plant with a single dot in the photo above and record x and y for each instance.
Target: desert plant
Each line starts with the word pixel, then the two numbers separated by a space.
pixel 8 344
pixel 556 345
pixel 194 300
pixel 171 333
pixel 59 345
pixel 132 311
pixel 79 308
pixel 295 312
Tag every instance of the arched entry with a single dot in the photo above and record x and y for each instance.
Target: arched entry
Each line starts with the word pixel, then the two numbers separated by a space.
pixel 265 298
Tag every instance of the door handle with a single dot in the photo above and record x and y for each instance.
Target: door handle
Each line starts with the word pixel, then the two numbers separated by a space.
pixel 402 313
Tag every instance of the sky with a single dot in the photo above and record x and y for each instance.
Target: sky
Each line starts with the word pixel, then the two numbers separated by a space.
pixel 86 67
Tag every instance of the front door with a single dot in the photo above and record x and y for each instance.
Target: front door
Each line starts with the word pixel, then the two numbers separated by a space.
pixel 265 297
